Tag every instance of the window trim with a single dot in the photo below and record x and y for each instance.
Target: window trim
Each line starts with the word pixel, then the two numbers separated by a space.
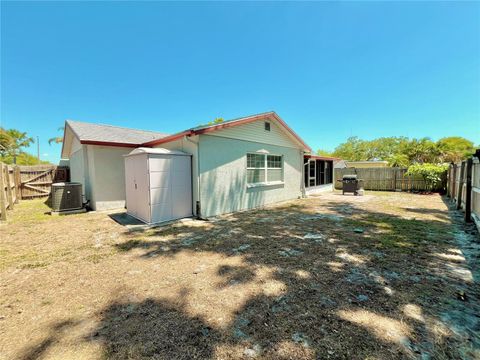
pixel 265 168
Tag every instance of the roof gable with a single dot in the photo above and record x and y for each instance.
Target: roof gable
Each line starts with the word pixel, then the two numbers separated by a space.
pixel 99 134
pixel 86 132
pixel 270 116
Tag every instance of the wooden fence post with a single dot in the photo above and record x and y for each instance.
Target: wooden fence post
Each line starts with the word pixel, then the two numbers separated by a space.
pixel 468 191
pixel 3 205
pixel 18 182
pixel 460 186
pixel 9 187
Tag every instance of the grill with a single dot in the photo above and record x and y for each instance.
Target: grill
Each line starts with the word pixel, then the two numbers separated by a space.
pixel 351 185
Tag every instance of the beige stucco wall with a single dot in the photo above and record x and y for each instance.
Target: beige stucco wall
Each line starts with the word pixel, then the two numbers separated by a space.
pixel 223 175
pixel 106 173
pixel 77 168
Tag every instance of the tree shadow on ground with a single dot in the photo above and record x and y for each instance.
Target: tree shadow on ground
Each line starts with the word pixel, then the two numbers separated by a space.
pixel 153 329
pixel 356 283
pixel 55 333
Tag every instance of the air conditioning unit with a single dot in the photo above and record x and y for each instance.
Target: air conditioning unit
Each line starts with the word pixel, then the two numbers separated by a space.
pixel 66 196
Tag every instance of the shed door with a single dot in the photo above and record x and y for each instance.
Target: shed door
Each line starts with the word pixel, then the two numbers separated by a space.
pixel 136 186
pixel 130 190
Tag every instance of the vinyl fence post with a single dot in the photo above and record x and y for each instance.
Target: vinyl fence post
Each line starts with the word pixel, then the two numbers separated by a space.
pixel 460 186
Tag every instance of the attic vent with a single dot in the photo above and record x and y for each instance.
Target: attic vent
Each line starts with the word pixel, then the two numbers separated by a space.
pixel 267 126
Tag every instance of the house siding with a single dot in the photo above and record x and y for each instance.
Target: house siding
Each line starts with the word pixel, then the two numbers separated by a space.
pixel 255 132
pixel 223 175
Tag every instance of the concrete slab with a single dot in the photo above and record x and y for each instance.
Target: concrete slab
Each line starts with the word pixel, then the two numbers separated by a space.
pixel 133 224
pixel 68 212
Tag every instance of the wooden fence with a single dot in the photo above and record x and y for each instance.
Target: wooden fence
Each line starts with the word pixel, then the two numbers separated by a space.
pixel 37 180
pixel 464 187
pixel 9 191
pixel 387 179
pixel 27 182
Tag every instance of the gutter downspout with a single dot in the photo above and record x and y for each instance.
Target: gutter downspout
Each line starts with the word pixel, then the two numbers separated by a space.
pixel 197 204
pixel 303 190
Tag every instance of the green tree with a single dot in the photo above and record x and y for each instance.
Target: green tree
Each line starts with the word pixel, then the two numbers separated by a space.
pixel 12 143
pixel 421 151
pixel 401 151
pixel 455 148
pixel 385 148
pixel 22 159
pixel 215 121
pixel 354 149
pixel 398 160
pixel 326 153
pixel 6 142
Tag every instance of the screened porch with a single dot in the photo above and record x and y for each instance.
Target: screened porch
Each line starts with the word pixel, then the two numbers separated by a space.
pixel 318 173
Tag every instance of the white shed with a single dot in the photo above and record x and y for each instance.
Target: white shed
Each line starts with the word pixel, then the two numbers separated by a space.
pixel 158 184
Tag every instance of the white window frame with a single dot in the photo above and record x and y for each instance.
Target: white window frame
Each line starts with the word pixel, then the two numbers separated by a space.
pixel 266 168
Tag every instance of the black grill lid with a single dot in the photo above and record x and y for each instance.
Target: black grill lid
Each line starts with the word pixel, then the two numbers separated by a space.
pixel 349 177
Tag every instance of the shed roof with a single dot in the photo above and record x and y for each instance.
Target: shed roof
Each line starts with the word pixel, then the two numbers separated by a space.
pixel 89 133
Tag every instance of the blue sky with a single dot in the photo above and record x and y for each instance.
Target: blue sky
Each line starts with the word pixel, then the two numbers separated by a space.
pixel 330 70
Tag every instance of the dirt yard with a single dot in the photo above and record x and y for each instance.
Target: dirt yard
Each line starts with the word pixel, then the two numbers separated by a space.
pixel 383 276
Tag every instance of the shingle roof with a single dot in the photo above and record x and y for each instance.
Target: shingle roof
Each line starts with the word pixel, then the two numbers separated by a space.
pixel 112 134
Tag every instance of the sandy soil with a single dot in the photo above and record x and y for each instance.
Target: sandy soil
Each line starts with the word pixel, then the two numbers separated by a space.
pixel 383 276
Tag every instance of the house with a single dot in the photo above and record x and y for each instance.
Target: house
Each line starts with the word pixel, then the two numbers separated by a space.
pixel 95 154
pixel 235 165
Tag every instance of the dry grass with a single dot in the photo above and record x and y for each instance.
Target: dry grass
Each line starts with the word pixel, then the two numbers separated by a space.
pixel 374 277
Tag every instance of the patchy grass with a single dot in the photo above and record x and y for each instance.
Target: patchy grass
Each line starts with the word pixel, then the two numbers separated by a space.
pixel 386 275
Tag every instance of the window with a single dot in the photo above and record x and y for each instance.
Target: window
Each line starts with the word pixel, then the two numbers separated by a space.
pixel 264 168
pixel 267 126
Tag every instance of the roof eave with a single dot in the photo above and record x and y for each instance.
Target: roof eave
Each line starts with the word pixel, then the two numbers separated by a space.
pixel 108 143
pixel 168 138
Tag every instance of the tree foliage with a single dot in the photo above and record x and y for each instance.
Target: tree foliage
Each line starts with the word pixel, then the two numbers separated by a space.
pixel 57 139
pixel 12 144
pixel 22 159
pixel 402 151
pixel 455 148
pixel 215 121
pixel 431 173
pixel 12 141
pixel 322 152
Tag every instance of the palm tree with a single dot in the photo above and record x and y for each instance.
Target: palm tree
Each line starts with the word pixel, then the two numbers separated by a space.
pixel 12 141
pixel 58 139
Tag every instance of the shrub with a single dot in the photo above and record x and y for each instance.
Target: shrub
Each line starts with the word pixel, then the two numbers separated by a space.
pixel 431 173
